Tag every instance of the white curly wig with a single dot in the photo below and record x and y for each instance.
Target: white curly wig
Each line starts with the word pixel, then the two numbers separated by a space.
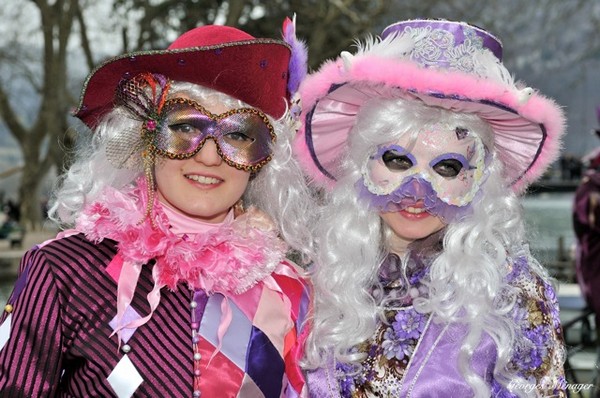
pixel 278 189
pixel 353 241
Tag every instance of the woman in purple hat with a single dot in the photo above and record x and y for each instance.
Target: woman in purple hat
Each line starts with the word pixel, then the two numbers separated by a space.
pixel 424 287
pixel 165 285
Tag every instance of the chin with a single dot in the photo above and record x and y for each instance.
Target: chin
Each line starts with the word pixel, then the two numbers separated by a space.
pixel 412 235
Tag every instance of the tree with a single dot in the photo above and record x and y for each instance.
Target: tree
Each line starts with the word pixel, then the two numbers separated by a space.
pixel 41 138
pixel 328 27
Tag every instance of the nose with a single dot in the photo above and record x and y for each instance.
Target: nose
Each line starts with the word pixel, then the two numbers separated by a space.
pixel 416 187
pixel 208 154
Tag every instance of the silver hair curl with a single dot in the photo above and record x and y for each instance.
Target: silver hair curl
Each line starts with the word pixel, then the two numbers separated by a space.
pixel 353 240
pixel 278 189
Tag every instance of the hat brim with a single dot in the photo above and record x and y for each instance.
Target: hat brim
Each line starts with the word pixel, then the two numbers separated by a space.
pixel 235 68
pixel 527 130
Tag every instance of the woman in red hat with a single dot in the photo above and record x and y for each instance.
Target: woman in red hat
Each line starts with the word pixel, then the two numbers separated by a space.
pixel 423 285
pixel 165 285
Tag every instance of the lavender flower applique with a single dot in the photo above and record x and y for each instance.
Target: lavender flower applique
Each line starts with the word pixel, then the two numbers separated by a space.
pixel 399 340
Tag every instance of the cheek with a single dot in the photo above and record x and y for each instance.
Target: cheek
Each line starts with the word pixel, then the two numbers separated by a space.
pixel 378 173
pixel 164 170
pixel 239 180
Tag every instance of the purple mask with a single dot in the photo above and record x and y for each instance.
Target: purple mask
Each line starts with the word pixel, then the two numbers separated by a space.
pixel 243 136
pixel 413 190
pixel 440 173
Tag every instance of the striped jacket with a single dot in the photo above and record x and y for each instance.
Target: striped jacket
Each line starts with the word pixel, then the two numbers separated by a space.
pixel 56 335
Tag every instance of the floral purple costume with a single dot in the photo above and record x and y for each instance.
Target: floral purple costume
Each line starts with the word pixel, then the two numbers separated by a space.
pixel 422 142
pixel 410 355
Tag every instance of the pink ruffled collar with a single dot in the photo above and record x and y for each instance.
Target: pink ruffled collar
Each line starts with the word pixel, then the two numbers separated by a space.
pixel 228 259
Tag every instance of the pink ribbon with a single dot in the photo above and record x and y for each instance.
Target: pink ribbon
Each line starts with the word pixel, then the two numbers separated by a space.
pixel 128 280
pixel 225 321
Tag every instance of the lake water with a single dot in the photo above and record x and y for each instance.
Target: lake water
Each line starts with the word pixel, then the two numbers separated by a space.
pixel 549 220
pixel 547 216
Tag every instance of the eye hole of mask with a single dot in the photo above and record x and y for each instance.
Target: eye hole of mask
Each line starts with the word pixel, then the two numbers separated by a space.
pixel 236 138
pixel 448 168
pixel 396 161
pixel 183 128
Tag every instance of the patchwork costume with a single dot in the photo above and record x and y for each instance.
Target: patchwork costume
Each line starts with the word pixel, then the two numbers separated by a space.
pixel 143 296
pixel 63 318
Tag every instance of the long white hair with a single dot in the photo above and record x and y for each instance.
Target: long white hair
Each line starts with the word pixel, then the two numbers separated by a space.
pixel 466 276
pixel 278 189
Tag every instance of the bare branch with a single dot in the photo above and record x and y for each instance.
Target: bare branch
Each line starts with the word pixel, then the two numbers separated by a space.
pixel 10 118
pixel 236 7
pixel 85 42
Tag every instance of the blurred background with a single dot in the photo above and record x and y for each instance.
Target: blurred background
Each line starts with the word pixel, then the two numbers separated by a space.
pixel 47 47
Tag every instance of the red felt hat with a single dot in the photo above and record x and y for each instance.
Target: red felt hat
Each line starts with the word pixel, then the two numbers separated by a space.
pixel 219 57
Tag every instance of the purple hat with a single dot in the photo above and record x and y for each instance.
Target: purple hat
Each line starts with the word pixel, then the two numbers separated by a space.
pixel 448 64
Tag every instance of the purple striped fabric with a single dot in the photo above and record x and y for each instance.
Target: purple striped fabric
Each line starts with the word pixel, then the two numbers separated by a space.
pixel 61 322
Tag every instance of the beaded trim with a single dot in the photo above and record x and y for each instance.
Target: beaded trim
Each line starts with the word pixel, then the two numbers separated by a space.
pixel 197 356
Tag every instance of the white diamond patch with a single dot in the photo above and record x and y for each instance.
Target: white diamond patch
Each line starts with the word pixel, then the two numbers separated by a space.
pixel 5 331
pixel 124 379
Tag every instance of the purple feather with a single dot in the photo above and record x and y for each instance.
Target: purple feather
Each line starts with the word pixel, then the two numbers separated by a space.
pixel 298 60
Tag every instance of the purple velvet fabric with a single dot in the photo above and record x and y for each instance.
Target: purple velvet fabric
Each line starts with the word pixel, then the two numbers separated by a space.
pixel 432 369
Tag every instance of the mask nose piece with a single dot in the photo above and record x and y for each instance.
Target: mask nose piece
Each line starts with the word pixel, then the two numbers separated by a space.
pixel 414 189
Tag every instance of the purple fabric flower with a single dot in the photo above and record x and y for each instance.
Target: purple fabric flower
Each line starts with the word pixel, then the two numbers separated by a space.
pixel 520 313
pixel 539 336
pixel 394 347
pixel 416 277
pixel 531 357
pixel 549 293
pixel 552 305
pixel 409 324
pixel 519 266
pixel 346 381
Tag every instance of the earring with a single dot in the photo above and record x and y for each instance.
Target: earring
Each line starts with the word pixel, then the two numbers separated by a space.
pixel 238 208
